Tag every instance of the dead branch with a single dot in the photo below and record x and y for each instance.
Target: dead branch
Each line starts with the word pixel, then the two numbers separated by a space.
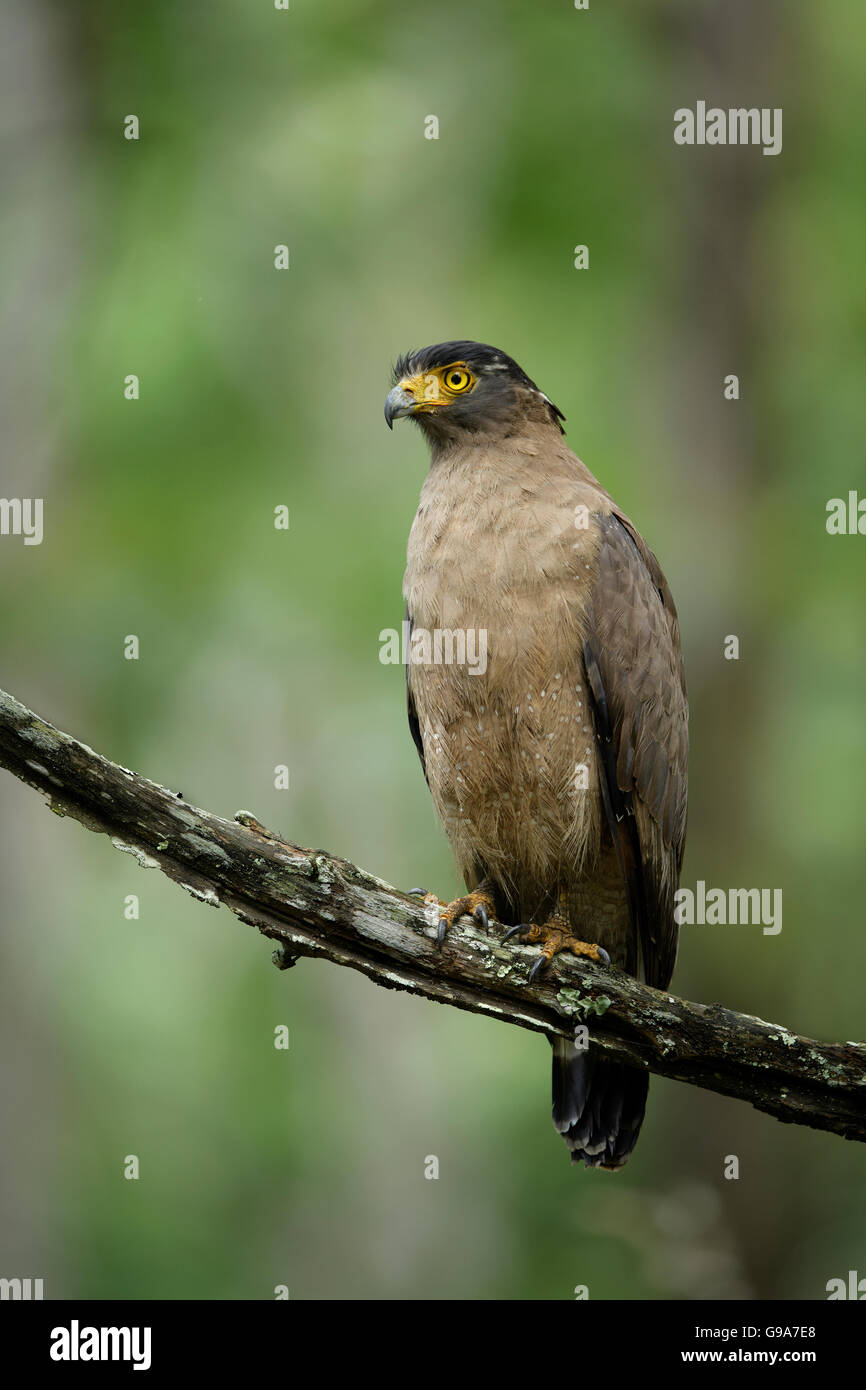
pixel 314 904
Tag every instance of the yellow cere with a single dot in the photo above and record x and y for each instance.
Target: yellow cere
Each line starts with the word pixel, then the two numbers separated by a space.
pixel 438 386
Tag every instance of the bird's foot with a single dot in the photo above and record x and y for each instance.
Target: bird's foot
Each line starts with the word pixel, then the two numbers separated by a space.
pixel 555 935
pixel 478 905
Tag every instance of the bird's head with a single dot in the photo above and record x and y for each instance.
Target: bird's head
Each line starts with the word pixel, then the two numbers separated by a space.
pixel 463 388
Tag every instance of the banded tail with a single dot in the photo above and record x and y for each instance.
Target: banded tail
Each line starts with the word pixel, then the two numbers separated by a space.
pixel 598 1106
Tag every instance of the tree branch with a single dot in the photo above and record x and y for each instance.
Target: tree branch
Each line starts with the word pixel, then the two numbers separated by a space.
pixel 314 904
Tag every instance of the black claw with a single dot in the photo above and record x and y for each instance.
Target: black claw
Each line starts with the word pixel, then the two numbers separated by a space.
pixel 604 956
pixel 443 928
pixel 536 967
pixel 480 915
pixel 512 931
pixel 416 892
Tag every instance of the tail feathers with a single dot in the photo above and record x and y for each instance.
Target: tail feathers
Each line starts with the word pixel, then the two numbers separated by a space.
pixel 598 1106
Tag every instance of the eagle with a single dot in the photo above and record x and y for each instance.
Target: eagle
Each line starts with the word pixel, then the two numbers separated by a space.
pixel 558 765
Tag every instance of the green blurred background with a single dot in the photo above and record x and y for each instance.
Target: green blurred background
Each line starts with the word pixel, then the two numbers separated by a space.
pixel 260 647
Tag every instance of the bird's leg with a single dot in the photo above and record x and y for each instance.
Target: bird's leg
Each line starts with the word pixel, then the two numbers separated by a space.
pixel 479 904
pixel 555 935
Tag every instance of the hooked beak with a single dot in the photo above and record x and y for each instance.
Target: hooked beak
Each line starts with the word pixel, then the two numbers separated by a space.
pixel 398 402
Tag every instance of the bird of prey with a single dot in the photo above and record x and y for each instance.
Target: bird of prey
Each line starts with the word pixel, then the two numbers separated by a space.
pixel 559 771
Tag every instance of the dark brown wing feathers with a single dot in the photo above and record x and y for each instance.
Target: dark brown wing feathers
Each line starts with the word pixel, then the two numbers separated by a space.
pixel 414 725
pixel 635 672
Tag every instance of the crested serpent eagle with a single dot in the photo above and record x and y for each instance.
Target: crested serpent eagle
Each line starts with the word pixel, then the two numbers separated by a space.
pixel 559 771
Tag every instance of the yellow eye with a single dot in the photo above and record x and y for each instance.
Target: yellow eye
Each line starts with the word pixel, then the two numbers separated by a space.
pixel 457 379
